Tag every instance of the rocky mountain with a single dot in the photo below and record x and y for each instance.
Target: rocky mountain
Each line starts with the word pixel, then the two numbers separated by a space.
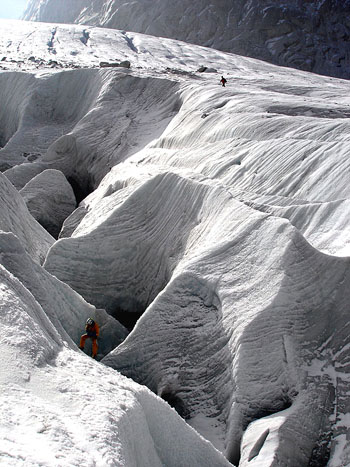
pixel 310 35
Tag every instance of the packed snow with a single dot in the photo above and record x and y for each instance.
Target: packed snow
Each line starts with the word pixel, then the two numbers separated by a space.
pixel 209 239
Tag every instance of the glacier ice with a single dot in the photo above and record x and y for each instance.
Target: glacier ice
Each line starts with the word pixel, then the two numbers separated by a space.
pixel 216 219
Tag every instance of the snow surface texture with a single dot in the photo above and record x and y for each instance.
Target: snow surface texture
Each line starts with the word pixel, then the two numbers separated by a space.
pixel 50 199
pixel 221 215
pixel 312 35
pixel 59 408
pixel 15 218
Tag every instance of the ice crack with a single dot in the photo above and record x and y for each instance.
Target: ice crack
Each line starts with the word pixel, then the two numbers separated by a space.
pixel 51 41
pixel 130 42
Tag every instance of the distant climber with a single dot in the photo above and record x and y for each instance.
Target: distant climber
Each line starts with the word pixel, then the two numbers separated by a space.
pixel 223 81
pixel 92 331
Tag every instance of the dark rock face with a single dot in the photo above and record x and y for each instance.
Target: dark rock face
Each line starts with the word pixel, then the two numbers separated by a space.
pixel 52 10
pixel 311 35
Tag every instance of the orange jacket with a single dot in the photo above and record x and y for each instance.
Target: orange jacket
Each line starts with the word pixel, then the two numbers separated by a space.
pixel 92 330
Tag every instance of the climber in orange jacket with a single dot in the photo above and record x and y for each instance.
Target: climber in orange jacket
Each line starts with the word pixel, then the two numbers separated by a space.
pixel 92 331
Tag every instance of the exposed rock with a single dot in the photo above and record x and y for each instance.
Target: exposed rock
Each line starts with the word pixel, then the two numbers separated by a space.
pixel 50 199
pixel 108 64
pixel 124 64
pixel 204 69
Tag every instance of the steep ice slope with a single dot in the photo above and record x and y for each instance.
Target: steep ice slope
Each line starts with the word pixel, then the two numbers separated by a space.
pixel 325 225
pixel 61 408
pixel 310 35
pixel 280 132
pixel 245 323
pixel 15 218
pixel 245 306
pixel 38 113
pixel 65 308
pixel 50 199
pixel 126 115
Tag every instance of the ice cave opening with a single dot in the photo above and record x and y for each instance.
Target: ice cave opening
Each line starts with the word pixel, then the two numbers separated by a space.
pixel 176 403
pixel 80 188
pixel 127 318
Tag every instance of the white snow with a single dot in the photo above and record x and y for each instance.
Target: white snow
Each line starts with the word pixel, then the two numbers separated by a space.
pixel 61 408
pixel 221 214
pixel 308 35
pixel 50 199
pixel 15 217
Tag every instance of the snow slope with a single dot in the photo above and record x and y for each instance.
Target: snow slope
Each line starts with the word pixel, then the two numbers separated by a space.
pixel 221 215
pixel 310 35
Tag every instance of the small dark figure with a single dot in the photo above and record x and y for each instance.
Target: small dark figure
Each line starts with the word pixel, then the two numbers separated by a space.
pixel 223 81
pixel 92 331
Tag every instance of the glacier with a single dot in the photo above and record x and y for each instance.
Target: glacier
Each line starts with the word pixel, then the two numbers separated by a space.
pixel 205 228
pixel 310 35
